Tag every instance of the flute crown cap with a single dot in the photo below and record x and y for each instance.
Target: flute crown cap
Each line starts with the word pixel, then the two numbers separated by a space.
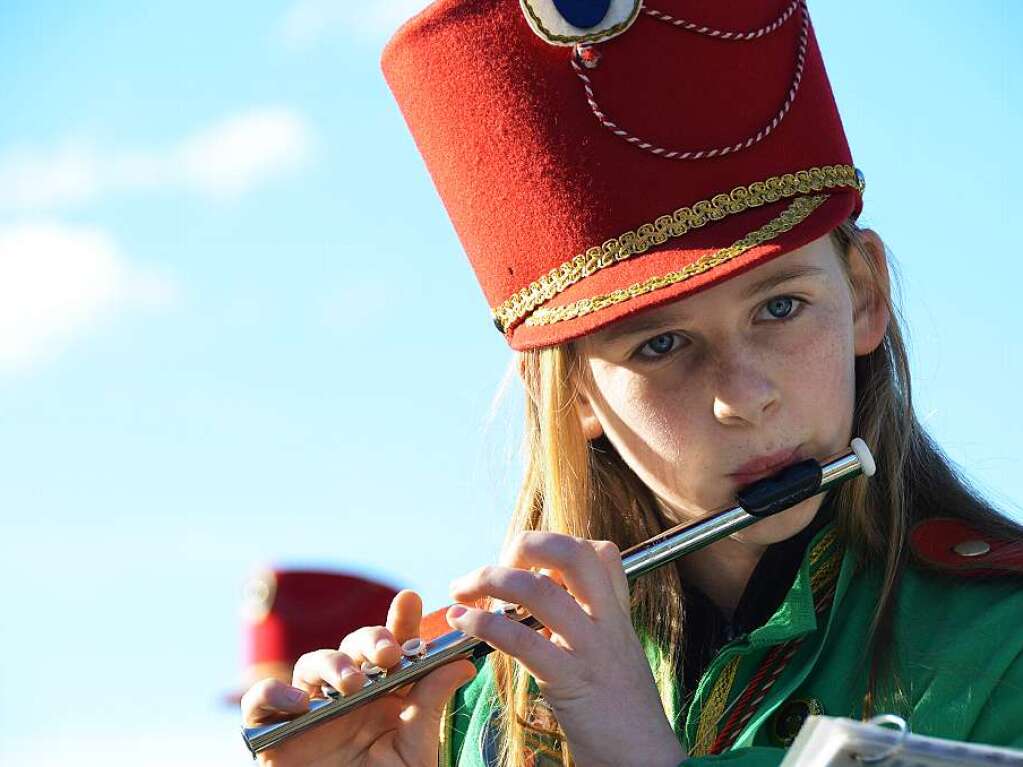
pixel 864 456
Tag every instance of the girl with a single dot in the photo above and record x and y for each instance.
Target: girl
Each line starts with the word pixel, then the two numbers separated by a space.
pixel 661 212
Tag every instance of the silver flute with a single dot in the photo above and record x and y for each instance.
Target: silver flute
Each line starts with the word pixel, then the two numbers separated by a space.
pixel 761 499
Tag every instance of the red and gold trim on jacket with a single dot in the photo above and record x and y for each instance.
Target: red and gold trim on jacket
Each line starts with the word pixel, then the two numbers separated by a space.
pixel 721 722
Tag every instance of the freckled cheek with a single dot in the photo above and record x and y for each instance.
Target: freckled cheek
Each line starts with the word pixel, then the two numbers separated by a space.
pixel 657 425
pixel 820 383
pixel 666 445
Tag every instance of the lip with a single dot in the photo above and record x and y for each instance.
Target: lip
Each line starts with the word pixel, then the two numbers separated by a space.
pixel 766 464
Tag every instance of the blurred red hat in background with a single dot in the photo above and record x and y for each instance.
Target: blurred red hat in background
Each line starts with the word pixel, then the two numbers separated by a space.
pixel 287 613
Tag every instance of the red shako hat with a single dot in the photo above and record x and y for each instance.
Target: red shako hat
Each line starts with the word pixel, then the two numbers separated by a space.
pixel 600 157
pixel 288 613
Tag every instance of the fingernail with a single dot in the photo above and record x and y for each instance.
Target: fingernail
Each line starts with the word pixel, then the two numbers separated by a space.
pixel 457 611
pixel 293 695
pixel 383 644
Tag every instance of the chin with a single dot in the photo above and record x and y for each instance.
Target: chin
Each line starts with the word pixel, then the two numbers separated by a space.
pixel 782 525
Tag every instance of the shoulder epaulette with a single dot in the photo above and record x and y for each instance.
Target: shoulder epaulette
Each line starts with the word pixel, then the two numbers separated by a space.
pixel 953 545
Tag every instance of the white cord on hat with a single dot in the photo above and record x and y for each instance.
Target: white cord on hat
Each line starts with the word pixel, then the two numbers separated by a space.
pixel 585 57
pixel 700 30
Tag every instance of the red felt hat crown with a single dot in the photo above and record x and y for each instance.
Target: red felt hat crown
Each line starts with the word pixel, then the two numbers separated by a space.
pixel 597 166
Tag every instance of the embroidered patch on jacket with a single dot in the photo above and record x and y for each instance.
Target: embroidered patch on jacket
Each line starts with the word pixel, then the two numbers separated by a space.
pixel 568 22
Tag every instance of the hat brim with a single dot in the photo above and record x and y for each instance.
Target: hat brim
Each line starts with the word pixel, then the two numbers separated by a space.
pixel 681 267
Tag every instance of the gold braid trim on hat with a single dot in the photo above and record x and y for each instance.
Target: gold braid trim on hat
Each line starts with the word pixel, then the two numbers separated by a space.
pixel 796 212
pixel 641 239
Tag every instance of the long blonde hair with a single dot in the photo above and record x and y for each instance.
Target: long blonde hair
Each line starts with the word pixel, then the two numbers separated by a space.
pixel 585 489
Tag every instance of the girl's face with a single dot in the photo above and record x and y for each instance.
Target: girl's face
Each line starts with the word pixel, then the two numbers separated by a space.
pixel 756 369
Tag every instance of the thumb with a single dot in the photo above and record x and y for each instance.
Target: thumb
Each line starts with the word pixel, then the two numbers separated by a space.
pixel 424 705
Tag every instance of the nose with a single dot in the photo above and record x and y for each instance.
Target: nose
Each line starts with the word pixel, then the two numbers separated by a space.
pixel 744 393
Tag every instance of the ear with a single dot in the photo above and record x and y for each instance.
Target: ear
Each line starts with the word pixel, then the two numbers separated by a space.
pixel 520 364
pixel 592 427
pixel 871 291
pixel 588 420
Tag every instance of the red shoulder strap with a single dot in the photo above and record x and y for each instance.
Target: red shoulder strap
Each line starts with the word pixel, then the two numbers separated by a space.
pixel 952 545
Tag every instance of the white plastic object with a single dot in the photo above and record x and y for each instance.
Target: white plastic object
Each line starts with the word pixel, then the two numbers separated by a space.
pixel 865 457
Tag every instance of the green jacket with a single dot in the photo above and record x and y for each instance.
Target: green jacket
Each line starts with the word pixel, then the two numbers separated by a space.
pixel 958 654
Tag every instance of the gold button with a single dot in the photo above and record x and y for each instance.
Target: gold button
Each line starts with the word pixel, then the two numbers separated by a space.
pixel 972 548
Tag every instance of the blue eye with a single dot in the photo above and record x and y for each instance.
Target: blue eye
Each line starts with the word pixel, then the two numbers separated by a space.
pixel 783 308
pixel 658 346
pixel 780 307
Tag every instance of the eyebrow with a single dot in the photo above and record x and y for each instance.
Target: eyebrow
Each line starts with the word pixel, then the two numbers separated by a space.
pixel 645 324
pixel 774 280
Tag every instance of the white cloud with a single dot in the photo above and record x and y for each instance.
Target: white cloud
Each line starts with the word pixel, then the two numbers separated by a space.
pixel 223 160
pixel 67 174
pixel 57 281
pixel 238 153
pixel 307 22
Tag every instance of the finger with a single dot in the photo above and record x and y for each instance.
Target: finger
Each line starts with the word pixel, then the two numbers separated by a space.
pixel 611 557
pixel 538 593
pixel 404 615
pixel 270 700
pixel 541 657
pixel 574 558
pixel 554 575
pixel 425 704
pixel 374 645
pixel 330 667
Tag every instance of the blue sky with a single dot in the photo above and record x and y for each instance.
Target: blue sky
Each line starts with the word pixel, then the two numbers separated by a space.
pixel 220 263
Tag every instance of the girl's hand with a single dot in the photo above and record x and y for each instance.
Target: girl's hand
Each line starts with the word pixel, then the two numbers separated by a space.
pixel 592 670
pixel 399 730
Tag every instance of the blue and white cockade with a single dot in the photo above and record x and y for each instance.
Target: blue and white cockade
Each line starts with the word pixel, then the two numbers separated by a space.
pixel 568 22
